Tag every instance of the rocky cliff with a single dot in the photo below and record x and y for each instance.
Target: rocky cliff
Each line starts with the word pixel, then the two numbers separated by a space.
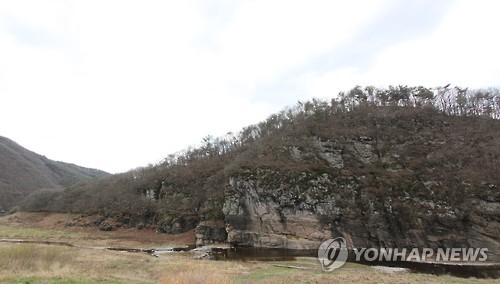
pixel 409 181
pixel 393 207
pixel 377 176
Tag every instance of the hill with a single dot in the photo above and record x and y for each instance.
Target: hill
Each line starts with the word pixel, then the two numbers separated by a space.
pixel 23 172
pixel 402 167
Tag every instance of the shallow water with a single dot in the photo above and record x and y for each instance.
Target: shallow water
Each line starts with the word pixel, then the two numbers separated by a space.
pixel 476 269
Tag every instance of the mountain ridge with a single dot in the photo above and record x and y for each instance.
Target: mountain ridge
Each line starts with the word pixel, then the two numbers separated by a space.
pixel 23 171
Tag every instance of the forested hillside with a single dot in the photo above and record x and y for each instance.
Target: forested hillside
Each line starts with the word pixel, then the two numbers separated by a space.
pixel 23 172
pixel 398 166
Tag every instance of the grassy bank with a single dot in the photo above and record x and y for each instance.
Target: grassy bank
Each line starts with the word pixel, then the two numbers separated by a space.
pixel 36 263
pixel 42 263
pixel 8 232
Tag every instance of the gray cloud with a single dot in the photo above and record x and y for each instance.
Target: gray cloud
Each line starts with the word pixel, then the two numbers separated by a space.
pixel 402 21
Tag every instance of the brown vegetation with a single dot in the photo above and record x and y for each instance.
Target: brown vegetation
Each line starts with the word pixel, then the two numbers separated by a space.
pixel 23 172
pixel 453 136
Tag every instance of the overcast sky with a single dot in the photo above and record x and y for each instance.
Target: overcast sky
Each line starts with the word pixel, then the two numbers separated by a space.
pixel 119 84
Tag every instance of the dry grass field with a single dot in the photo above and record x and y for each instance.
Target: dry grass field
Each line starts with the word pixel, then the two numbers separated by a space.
pixel 49 263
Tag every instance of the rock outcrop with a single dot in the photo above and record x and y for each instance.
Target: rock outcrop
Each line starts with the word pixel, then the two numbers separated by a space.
pixel 369 194
pixel 378 176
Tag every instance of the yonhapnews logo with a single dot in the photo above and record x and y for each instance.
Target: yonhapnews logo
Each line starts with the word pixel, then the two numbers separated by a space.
pixel 420 255
pixel 333 254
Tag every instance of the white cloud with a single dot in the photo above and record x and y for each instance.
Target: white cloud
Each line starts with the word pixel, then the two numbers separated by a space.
pixel 461 51
pixel 268 38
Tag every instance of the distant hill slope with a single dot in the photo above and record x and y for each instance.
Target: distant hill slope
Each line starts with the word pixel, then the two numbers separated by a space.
pixel 23 171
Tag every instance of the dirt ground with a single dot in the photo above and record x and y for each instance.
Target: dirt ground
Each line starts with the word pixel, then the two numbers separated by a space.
pixel 61 226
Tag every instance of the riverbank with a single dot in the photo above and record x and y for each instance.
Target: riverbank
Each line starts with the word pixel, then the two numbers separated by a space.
pixel 84 262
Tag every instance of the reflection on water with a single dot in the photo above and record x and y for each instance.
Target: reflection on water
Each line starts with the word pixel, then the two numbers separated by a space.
pixel 478 269
pixel 262 254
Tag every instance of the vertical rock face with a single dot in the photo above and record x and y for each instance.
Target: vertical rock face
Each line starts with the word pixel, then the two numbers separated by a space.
pixel 256 216
pixel 262 218
pixel 210 232
pixel 385 204
pixel 300 213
